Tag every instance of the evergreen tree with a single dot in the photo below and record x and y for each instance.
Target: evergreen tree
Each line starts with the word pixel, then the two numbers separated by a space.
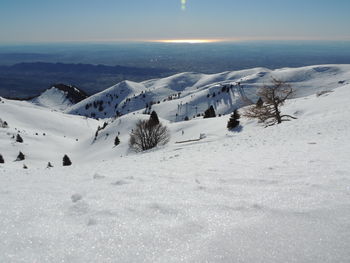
pixel 49 165
pixel 66 161
pixel 233 122
pixel 3 124
pixel 19 138
pixel 20 157
pixel 259 103
pixel 2 159
pixel 116 141
pixel 153 119
pixel 210 113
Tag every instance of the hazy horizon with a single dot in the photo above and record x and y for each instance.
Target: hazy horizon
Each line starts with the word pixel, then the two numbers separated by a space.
pixel 117 20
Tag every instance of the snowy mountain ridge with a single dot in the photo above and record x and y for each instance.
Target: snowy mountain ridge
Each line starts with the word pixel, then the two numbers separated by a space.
pixel 188 95
pixel 60 97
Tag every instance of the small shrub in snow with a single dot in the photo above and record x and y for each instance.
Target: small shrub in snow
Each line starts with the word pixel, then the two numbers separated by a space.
pixel 19 138
pixel 49 165
pixel 2 159
pixel 116 141
pixel 25 166
pixel 3 124
pixel 210 113
pixel 20 157
pixel 233 122
pixel 66 160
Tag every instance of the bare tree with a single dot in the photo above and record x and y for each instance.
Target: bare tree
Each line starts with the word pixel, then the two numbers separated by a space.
pixel 147 135
pixel 273 97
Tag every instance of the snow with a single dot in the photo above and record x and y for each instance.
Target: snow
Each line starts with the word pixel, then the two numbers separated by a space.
pixel 276 194
pixel 192 93
pixel 53 98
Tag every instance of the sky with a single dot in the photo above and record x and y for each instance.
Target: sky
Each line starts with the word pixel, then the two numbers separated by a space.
pixel 115 20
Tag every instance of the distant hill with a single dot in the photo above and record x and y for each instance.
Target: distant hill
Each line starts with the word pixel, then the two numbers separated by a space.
pixel 29 79
pixel 80 68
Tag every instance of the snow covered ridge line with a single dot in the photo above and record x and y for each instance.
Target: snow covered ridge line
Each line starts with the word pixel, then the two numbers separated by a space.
pixel 60 97
pixel 188 95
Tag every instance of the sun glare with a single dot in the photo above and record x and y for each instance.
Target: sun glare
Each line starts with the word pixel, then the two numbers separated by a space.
pixel 188 41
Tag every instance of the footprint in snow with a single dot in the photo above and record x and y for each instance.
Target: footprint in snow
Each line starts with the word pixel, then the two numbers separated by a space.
pixel 78 209
pixel 91 222
pixel 120 182
pixel 98 176
pixel 76 197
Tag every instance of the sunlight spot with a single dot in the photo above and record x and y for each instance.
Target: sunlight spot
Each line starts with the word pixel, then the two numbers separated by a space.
pixel 188 41
pixel 183 4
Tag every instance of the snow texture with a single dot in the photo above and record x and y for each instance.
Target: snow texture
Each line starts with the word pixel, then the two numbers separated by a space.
pixel 276 194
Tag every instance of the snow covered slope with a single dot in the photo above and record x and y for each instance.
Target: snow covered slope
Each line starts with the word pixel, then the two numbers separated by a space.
pixel 190 94
pixel 276 194
pixel 47 134
pixel 60 97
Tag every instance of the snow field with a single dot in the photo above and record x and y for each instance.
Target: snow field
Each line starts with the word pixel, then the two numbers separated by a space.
pixel 276 194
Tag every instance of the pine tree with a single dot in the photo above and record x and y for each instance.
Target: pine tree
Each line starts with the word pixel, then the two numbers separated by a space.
pixel 210 113
pixel 20 157
pixel 233 122
pixel 116 141
pixel 66 161
pixel 49 165
pixel 153 119
pixel 2 159
pixel 259 103
pixel 19 138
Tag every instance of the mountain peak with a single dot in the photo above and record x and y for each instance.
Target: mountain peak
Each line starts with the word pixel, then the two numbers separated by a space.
pixel 60 97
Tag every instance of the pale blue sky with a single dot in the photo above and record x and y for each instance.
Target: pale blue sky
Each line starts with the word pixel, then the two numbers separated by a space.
pixel 109 20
